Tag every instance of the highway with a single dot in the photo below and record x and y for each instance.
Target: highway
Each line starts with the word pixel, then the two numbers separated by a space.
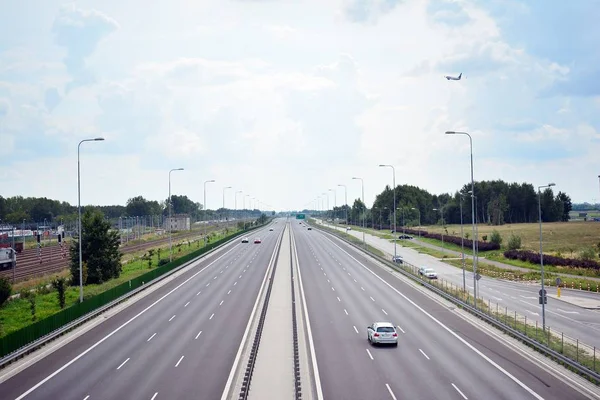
pixel 439 356
pixel 574 321
pixel 178 342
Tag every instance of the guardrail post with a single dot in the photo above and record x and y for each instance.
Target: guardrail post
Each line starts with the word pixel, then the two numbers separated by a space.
pixel 594 358
pixel 505 315
pixel 562 342
pixel 525 325
pixel 548 336
pixel 536 330
pixel 577 350
pixel 515 320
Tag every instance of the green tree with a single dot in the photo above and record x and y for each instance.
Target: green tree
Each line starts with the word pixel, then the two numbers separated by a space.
pixel 565 200
pixel 60 285
pixel 5 290
pixel 514 242
pixel 100 250
pixel 496 238
pixel 137 206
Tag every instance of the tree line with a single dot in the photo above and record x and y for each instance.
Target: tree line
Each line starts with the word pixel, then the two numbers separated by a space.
pixel 496 203
pixel 34 210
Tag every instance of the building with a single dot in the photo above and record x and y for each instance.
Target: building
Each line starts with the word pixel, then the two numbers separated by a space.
pixel 178 222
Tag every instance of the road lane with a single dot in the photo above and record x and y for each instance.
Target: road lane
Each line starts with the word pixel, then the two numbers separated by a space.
pixel 575 322
pixel 95 374
pixel 451 361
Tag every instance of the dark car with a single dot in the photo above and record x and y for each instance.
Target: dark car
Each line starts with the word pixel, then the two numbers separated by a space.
pixel 405 237
pixel 309 228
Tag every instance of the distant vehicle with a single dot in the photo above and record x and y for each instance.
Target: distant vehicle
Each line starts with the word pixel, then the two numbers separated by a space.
pixel 245 240
pixel 453 78
pixel 309 228
pixel 257 240
pixel 428 272
pixel 405 237
pixel 382 332
pixel 397 259
pixel 270 229
pixel 348 228
pixel 7 256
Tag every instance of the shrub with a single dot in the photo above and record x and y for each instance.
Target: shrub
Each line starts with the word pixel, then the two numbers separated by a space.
pixel 514 242
pixel 483 246
pixel 162 262
pixel 496 238
pixel 5 290
pixel 484 238
pixel 587 253
pixel 534 258
pixel 32 306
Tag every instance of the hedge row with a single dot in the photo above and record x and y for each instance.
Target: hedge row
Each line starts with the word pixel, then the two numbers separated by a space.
pixel 483 246
pixel 534 258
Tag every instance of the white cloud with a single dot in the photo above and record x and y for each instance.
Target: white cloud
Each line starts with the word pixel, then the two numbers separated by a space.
pixel 283 102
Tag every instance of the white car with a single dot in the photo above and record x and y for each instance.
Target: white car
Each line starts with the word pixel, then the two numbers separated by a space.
pixel 382 332
pixel 245 240
pixel 428 272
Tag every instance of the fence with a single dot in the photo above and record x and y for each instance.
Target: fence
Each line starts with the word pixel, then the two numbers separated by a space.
pixel 18 339
pixel 556 342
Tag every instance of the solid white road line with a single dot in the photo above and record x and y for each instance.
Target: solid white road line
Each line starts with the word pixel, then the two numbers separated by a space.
pixel 447 329
pixel 198 335
pixel 212 315
pixel 369 353
pixel 384 311
pixel 567 312
pixel 221 303
pixel 150 338
pixel 123 363
pixel 390 390
pixel 171 319
pixel 176 365
pixel 355 329
pixel 345 311
pixel 422 352
pixel 153 397
pixel 186 304
pixel 401 330
pixel 229 291
pixel 459 392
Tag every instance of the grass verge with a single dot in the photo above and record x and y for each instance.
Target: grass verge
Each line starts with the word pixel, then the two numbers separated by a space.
pixel 17 313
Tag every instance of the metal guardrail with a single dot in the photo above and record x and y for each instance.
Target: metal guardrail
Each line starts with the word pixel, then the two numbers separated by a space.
pixel 540 347
pixel 9 358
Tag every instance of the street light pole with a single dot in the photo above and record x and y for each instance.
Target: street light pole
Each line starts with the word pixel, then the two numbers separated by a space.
pixel 441 210
pixel 171 222
pixel 462 244
pixel 79 212
pixel 474 222
pixel 543 292
pixel 419 211
pixel 235 202
pixel 345 202
pixel 225 188
pixel 206 210
pixel 362 186
pixel 334 204
pixel 394 189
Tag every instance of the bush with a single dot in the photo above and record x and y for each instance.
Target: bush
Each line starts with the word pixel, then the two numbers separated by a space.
pixel 5 290
pixel 514 242
pixel 162 262
pixel 587 253
pixel 496 238
pixel 483 246
pixel 31 299
pixel 534 258
pixel 484 238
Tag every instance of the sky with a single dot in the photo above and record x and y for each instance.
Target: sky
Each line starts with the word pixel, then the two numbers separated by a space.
pixel 286 99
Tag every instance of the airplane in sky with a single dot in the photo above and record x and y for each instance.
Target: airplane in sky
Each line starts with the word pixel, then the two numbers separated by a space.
pixel 453 78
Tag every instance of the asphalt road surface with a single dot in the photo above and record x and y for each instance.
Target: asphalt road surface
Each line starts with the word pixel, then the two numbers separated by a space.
pixel 178 342
pixel 574 321
pixel 439 356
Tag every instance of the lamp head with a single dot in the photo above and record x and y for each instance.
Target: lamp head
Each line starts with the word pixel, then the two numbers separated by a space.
pixel 450 133
pixel 551 184
pixel 98 139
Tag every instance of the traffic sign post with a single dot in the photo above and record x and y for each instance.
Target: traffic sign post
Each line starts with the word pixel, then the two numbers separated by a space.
pixel 543 298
